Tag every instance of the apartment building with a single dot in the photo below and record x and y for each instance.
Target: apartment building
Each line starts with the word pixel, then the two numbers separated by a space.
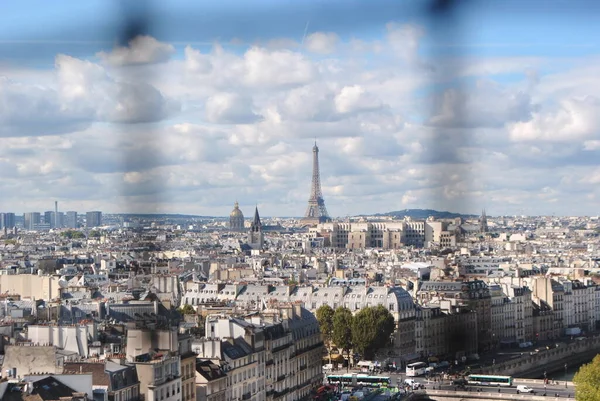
pixel 274 354
pixel 154 352
pixel 443 330
pixel 188 367
pixel 160 376
pixel 388 234
pixel 111 380
pixel 466 296
pixel 211 381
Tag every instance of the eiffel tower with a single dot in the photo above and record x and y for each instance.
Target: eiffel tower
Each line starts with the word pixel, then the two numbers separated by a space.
pixel 316 212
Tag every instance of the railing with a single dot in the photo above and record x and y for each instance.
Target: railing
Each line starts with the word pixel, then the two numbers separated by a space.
pixel 246 396
pixel 281 347
pixel 280 378
pixel 481 396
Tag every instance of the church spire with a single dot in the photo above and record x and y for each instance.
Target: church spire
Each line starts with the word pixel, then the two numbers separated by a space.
pixel 256 221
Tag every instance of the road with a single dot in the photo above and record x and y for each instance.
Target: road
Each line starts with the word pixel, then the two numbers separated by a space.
pixel 539 389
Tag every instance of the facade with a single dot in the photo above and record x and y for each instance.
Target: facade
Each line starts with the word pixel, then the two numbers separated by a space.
pixel 31 220
pixel 93 219
pixel 550 291
pixel 71 219
pixel 211 381
pixel 236 219
pixel 451 332
pixel 7 220
pixel 188 368
pixel 154 353
pixel 470 296
pixel 543 321
pixel 354 297
pixel 159 375
pixel 111 381
pixel 388 234
pixel 72 338
pixel 274 354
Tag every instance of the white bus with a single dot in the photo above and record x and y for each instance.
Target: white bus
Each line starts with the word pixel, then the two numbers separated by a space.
pixel 416 369
pixel 490 380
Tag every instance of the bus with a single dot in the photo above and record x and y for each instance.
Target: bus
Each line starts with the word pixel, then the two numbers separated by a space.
pixel 348 380
pixel 490 380
pixel 416 369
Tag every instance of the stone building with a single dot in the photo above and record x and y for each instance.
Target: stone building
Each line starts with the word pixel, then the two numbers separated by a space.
pixel 236 219
pixel 470 296
pixel 274 354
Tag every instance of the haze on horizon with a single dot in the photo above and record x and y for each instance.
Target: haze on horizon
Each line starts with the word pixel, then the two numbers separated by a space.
pixel 223 103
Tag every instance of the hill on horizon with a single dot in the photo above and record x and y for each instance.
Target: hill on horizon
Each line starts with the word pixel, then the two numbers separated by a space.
pixel 422 214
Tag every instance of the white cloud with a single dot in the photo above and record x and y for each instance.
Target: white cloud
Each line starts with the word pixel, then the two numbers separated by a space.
pixel 404 40
pixel 280 67
pixel 88 89
pixel 196 61
pixel 485 105
pixel 230 108
pixel 352 99
pixel 575 119
pixel 141 50
pixel 389 133
pixel 321 42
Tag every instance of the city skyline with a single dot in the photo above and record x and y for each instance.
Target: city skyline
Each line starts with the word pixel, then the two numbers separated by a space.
pixel 408 114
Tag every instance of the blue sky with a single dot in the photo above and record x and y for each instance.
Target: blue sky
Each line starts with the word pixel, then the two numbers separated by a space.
pixel 221 101
pixel 477 27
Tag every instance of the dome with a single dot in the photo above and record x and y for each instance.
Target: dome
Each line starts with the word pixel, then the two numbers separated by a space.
pixel 236 212
pixel 236 218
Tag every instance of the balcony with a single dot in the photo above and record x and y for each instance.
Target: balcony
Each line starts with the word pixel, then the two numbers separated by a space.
pixel 281 347
pixel 303 367
pixel 246 396
pixel 280 378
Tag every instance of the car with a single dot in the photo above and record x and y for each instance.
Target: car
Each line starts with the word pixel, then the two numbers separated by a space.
pixel 460 382
pixel 524 389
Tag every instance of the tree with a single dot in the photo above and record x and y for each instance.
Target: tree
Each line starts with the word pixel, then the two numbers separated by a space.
pixel 342 330
pixel 587 381
pixel 371 330
pixel 325 319
pixel 187 310
pixel 72 234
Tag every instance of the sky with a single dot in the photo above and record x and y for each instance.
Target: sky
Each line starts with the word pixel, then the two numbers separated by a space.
pixel 186 106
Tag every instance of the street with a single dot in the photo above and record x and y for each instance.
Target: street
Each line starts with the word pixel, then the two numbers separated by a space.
pixel 539 389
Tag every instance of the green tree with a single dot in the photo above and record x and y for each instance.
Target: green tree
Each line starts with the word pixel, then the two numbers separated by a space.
pixel 342 330
pixel 587 381
pixel 187 310
pixel 371 330
pixel 325 319
pixel 72 234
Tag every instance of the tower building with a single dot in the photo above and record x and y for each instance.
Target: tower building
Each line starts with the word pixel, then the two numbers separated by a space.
pixel 31 220
pixel 236 219
pixel 316 212
pixel 483 226
pixel 93 219
pixel 255 236
pixel 71 221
